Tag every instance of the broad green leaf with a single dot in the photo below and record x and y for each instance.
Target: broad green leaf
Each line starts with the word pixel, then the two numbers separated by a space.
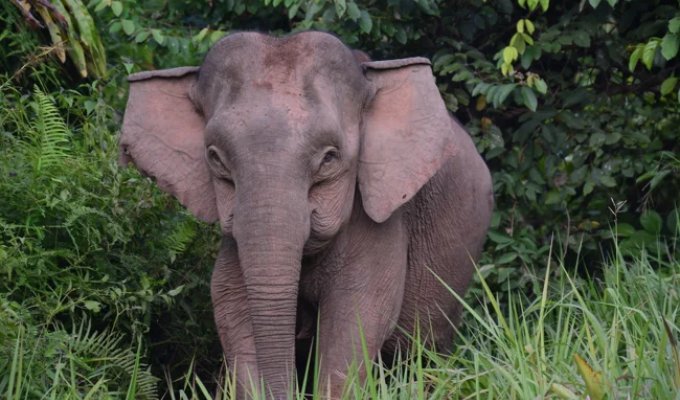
pixel 594 3
pixel 518 43
pixel 624 230
pixel 674 25
pixel 503 93
pixel 340 7
pixel 312 10
pixel 128 26
pixel 530 26
pixel 520 26
pixel 596 139
pixel 635 57
pixel 651 221
pixel 141 36
pixel 553 197
pixel 668 85
pixel 480 88
pixel 462 75
pixel 648 53
pixel 365 22
pixel 292 11
pixel 101 5
pixel 506 258
pixel 117 8
pixel 581 39
pixel 499 238
pixel 608 181
pixel 588 187
pixel 545 4
pixel 541 86
pixel 443 60
pixel 158 36
pixel 353 11
pixel 529 98
pixel 669 46
pixel 510 54
pixel 115 27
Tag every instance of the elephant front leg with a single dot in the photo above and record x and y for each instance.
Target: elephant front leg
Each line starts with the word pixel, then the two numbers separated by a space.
pixel 362 301
pixel 228 293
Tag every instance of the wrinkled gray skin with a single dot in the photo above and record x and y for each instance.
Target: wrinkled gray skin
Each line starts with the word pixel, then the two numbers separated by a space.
pixel 341 188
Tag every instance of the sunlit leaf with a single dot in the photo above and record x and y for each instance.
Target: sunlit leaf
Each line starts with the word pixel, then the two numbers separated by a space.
pixel 668 85
pixel 595 386
pixel 669 46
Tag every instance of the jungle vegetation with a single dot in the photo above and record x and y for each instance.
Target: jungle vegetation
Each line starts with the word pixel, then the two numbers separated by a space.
pixel 574 105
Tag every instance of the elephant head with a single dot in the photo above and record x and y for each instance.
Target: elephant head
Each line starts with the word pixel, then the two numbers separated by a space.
pixel 281 140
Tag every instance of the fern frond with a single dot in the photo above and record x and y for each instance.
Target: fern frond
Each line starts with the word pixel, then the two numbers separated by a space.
pixel 49 135
pixel 183 234
pixel 102 358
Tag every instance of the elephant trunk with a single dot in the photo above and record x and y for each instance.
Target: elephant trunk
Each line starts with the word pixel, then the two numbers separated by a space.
pixel 270 234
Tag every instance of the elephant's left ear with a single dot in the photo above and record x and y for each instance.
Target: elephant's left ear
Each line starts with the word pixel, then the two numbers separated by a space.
pixel 407 134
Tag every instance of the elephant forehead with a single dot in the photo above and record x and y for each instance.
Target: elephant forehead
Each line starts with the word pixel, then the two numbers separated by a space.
pixel 273 116
pixel 293 64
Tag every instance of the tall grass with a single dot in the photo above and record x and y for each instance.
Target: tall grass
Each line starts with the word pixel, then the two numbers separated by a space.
pixel 613 336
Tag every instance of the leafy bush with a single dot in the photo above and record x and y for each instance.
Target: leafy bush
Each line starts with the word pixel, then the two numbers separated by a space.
pixel 73 247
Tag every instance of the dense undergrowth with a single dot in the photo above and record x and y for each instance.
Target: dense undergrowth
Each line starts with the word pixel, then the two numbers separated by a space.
pixel 104 280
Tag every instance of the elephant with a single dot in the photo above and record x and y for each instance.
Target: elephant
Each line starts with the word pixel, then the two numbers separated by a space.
pixel 350 202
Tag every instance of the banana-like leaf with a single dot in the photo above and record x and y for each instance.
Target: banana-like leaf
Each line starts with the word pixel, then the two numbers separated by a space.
pixel 89 37
pixel 75 49
pixel 55 33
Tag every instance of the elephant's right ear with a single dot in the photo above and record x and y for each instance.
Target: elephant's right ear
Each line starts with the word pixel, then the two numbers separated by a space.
pixel 163 136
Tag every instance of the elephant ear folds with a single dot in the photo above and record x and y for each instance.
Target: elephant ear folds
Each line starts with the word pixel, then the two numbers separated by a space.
pixel 407 134
pixel 163 136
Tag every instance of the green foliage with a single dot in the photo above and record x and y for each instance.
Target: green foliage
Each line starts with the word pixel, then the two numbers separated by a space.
pixel 72 245
pixel 39 361
pixel 573 104
pixel 71 30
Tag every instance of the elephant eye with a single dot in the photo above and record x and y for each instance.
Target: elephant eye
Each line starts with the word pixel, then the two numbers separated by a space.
pixel 217 164
pixel 326 164
pixel 330 156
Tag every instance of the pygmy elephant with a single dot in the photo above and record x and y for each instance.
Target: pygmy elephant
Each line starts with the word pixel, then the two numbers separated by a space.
pixel 345 192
